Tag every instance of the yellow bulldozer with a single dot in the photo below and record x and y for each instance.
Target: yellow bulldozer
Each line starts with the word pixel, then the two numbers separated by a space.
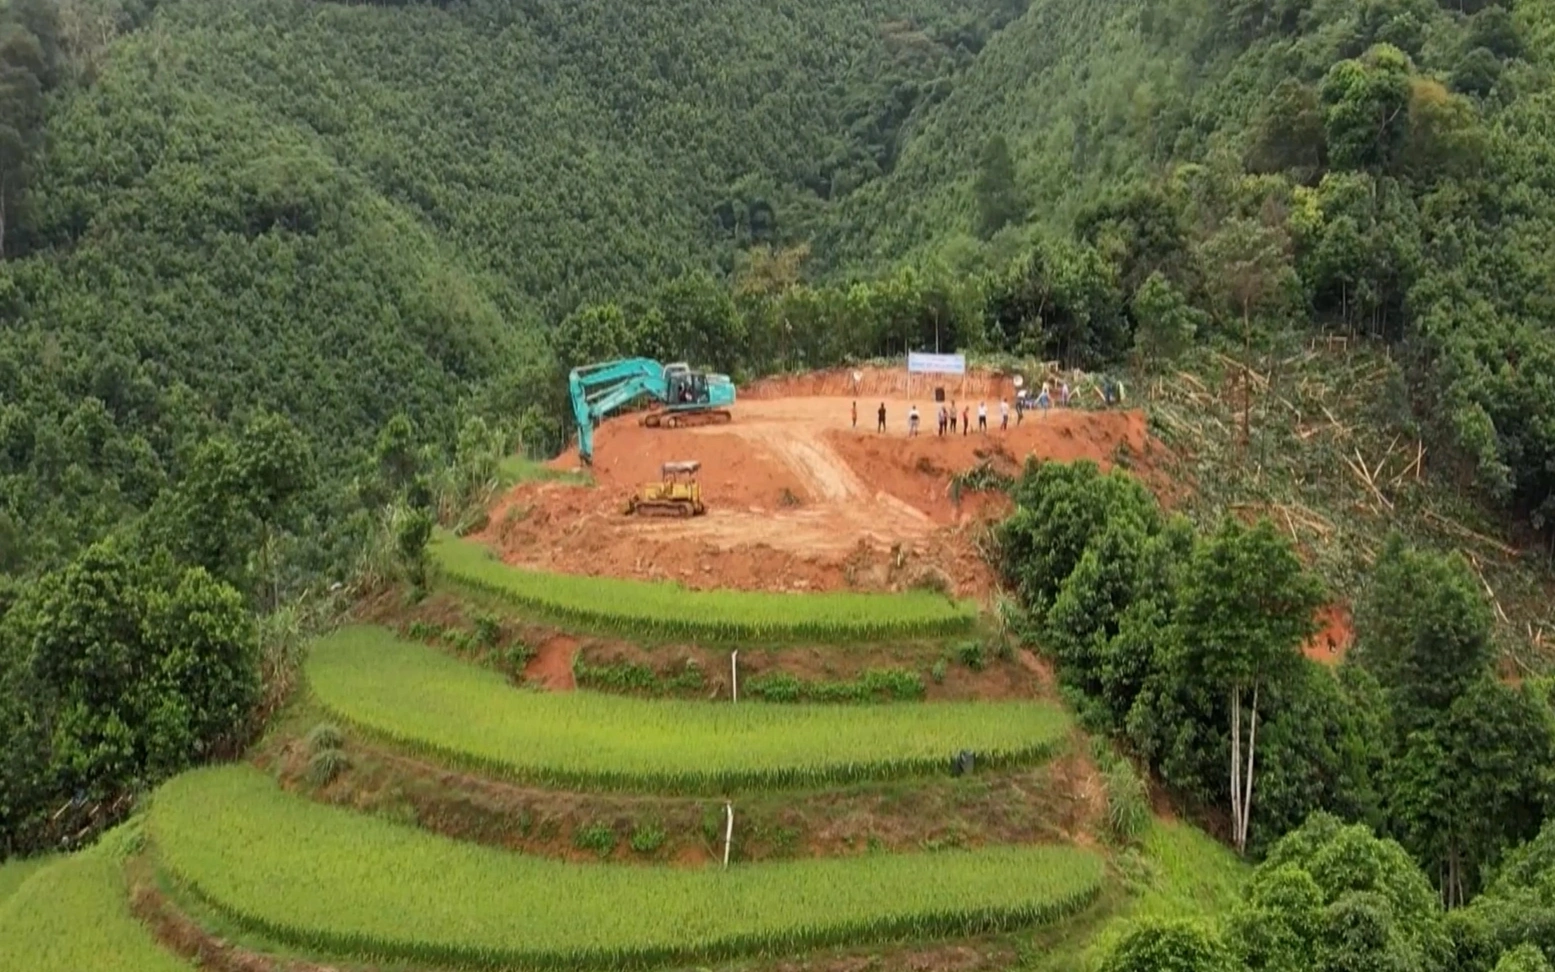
pixel 676 494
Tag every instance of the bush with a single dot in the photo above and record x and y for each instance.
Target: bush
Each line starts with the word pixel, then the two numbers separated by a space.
pixel 424 631
pixel 596 837
pixel 327 764
pixel 873 685
pixel 1128 802
pixel 488 630
pixel 648 838
pixel 970 654
pixel 325 735
pixel 937 672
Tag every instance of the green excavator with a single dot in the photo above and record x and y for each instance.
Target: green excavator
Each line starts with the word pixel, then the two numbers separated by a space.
pixel 683 397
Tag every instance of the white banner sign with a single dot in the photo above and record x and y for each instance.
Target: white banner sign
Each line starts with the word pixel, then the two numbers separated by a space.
pixel 936 364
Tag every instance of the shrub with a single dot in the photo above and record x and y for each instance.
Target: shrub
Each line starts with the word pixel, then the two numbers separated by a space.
pixel 873 685
pixel 325 735
pixel 424 631
pixel 327 764
pixel 488 630
pixel 596 837
pixel 648 838
pixel 1128 802
pixel 970 654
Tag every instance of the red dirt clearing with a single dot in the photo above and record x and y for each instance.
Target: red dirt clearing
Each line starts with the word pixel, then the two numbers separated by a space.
pixel 799 499
pixel 1335 634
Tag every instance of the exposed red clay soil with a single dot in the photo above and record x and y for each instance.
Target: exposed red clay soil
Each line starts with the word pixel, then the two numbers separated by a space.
pixel 799 499
pixel 1335 634
pixel 552 665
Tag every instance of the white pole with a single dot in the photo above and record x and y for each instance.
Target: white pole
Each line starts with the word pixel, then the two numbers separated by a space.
pixel 734 676
pixel 728 833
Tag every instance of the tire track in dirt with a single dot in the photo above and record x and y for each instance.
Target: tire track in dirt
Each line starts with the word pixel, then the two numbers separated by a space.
pixel 830 479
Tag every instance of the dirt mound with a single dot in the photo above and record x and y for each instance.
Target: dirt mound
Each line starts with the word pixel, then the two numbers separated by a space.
pixel 799 498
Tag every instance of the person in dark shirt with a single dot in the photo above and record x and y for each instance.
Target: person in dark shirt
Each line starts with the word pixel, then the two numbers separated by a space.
pixel 880 424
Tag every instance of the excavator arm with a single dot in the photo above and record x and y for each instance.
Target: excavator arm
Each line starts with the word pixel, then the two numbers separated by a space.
pixel 597 390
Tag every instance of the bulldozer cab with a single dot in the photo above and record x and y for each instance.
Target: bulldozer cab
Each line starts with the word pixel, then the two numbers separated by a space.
pixel 672 471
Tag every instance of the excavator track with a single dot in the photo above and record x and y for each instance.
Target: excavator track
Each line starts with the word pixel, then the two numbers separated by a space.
pixel 684 420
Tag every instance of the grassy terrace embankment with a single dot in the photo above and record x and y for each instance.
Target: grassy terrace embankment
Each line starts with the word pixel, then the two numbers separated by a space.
pixel 662 609
pixel 334 881
pixel 419 697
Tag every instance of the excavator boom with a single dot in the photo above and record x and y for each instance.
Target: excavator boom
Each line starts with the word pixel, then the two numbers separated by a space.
pixel 688 397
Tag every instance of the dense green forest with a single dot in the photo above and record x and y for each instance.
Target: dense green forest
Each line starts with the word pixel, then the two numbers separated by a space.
pixel 280 280
pixel 339 212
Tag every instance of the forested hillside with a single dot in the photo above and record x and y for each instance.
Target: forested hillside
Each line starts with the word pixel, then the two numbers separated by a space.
pixel 341 212
pixel 1395 155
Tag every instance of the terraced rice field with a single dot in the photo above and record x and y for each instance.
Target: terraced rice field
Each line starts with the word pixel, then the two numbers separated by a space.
pixel 418 696
pixel 72 915
pixel 335 881
pixel 661 609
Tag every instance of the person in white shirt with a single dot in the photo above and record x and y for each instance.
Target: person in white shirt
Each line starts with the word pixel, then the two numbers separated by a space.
pixel 1004 415
pixel 982 417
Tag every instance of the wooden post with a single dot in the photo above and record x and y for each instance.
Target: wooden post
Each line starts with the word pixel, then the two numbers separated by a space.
pixel 728 832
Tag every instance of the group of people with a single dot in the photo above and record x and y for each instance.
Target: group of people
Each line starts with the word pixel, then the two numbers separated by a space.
pixel 950 420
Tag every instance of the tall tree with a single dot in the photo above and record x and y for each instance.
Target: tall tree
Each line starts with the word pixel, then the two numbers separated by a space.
pixel 999 201
pixel 1422 626
pixel 1367 109
pixel 1246 606
pixel 1254 276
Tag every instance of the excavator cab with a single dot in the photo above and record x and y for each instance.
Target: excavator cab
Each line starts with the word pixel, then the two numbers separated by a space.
pixel 676 494
pixel 686 387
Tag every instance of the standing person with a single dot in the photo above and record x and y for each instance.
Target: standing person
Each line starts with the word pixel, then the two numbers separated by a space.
pixel 952 416
pixel 944 419
pixel 966 419
pixel 1044 401
pixel 880 418
pixel 1020 407
pixel 855 414
pixel 982 417
pixel 1063 392
pixel 912 421
pixel 1004 415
